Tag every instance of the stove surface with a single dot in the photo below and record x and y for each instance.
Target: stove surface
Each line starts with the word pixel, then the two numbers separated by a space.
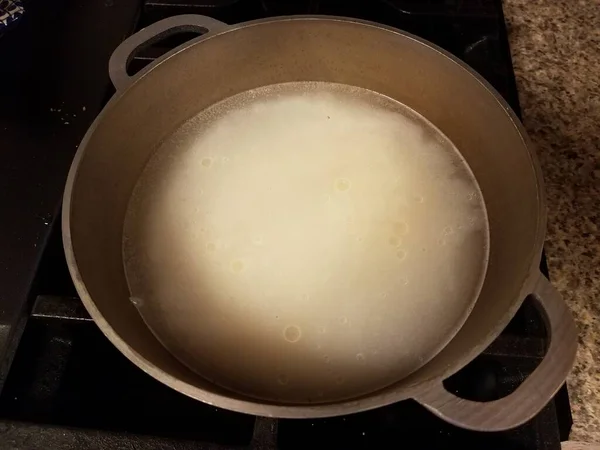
pixel 62 384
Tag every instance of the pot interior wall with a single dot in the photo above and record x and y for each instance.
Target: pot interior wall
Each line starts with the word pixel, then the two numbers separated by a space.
pixel 296 50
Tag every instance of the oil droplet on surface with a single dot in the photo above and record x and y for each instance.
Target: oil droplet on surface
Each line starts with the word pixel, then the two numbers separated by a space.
pixel 292 333
pixel 360 358
pixel 282 379
pixel 401 255
pixel 400 228
pixel 237 266
pixel 207 162
pixel 342 185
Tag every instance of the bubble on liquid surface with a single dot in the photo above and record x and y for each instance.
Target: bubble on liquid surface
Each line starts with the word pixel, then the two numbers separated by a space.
pixel 344 320
pixel 339 379
pixel 342 185
pixel 360 357
pixel 400 228
pixel 327 359
pixel 237 266
pixel 283 379
pixel 401 255
pixel 211 246
pixel 292 333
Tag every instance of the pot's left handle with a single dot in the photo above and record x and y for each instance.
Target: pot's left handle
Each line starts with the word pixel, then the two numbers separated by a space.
pixel 534 393
pixel 124 53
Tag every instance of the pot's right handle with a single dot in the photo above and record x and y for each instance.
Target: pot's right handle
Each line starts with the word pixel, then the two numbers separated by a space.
pixel 534 393
pixel 119 60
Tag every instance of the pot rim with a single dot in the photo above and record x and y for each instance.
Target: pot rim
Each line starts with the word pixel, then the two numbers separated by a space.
pixel 384 396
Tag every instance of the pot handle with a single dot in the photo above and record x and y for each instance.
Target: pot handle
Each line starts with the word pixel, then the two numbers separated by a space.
pixel 534 393
pixel 124 53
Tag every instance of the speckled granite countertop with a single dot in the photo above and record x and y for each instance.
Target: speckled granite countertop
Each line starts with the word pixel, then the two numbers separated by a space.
pixel 555 47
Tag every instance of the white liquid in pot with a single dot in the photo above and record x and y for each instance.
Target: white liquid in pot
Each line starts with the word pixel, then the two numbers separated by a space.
pixel 305 242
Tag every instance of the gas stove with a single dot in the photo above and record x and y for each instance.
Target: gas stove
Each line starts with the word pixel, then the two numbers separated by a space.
pixel 62 384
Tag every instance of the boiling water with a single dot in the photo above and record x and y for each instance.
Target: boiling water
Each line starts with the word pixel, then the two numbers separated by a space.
pixel 305 242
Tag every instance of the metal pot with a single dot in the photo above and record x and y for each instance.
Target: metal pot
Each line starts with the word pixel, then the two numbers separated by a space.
pixel 230 59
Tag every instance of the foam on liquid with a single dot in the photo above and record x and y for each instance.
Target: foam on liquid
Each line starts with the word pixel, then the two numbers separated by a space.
pixel 305 242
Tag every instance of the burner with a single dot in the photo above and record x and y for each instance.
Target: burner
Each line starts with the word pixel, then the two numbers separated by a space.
pixel 64 386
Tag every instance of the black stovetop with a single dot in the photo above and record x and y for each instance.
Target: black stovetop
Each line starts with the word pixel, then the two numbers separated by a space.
pixel 62 384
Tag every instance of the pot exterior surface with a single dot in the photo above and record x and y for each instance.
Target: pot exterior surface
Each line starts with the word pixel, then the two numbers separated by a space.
pixel 210 69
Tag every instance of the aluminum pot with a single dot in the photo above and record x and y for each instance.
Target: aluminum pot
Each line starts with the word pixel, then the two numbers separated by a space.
pixel 227 60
